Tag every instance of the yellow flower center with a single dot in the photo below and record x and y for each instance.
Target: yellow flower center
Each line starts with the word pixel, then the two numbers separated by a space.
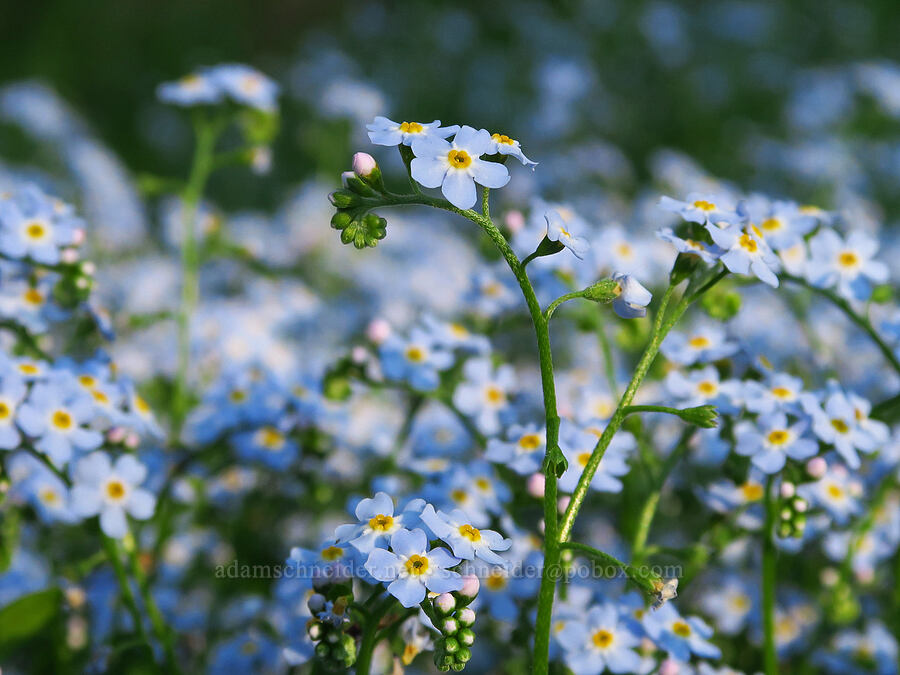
pixel 834 491
pixel 35 230
pixel 5 410
pixel 115 489
pixel 495 581
pixel 740 602
pixel 583 458
pixel 771 224
pixel 752 491
pixel 411 128
pixel 99 396
pixel 624 250
pixel 61 419
pixel 707 388
pixel 483 484
pixel 332 553
pixel 681 629
pixel 602 639
pixel 530 442
pixel 33 296
pixel 87 381
pixel 410 652
pixel 459 496
pixel 29 369
pixel 249 648
pixel 415 354
pixel 141 405
pixel 270 438
pixel 699 342
pixel 848 259
pixel 704 205
pixel 459 159
pixel 494 395
pixel 782 392
pixel 238 396
pixel 748 243
pixel 417 565
pixel 381 522
pixel 49 496
pixel 470 533
pixel 502 138
pixel 778 437
pixel 840 425
pixel 250 84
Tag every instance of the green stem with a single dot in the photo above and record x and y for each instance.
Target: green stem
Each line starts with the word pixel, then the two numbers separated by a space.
pixel 207 133
pixel 859 320
pixel 370 634
pixel 648 512
pixel 157 621
pixel 660 330
pixel 649 581
pixel 548 313
pixel 112 553
pixel 770 656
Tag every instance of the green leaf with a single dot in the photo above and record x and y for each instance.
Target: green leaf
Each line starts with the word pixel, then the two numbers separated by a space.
pixel 27 616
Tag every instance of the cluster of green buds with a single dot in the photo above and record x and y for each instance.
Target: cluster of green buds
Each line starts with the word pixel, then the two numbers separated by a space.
pixel 335 648
pixel 454 619
pixel 792 513
pixel 75 283
pixel 357 225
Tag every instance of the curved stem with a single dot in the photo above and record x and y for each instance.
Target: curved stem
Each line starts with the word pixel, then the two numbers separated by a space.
pixel 548 313
pixel 859 320
pixel 207 133
pixel 770 656
pixel 646 579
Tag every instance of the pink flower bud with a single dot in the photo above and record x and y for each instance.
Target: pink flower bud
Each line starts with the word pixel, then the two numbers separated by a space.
pixel 536 485
pixel 514 220
pixel 445 603
pixel 470 586
pixel 359 354
pixel 378 331
pixel 364 164
pixel 69 256
pixel 132 440
pixel 466 616
pixel 788 490
pixel 669 667
pixel 115 435
pixel 816 467
pixel 78 236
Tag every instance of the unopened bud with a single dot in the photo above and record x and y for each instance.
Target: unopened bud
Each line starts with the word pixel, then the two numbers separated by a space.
pixel 363 164
pixel 445 603
pixel 316 603
pixel 470 586
pixel 466 637
pixel 703 416
pixel 816 467
pixel 603 291
pixel 466 617
pixel 788 490
pixel 450 626
pixel 535 485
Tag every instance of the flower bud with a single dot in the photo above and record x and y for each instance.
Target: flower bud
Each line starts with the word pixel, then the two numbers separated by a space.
pixel 344 199
pixel 536 485
pixel 451 646
pixel 466 637
pixel 603 291
pixel 450 626
pixel 463 655
pixel 470 586
pixel 466 617
pixel 816 467
pixel 800 505
pixel 788 490
pixel 322 650
pixel 378 330
pixel 444 603
pixel 315 630
pixel 703 416
pixel 363 164
pixel 316 603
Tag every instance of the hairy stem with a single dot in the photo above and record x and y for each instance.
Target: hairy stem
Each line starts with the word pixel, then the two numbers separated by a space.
pixel 770 657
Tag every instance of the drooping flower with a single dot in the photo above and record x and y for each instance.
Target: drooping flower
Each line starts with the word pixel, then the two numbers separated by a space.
pixel 633 297
pixel 558 230
pixel 501 144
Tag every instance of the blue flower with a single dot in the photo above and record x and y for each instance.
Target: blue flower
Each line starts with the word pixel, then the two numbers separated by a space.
pixel 465 540
pixel 244 85
pixel 438 433
pixel 190 90
pixel 705 344
pixel 377 523
pixel 34 226
pixel 836 492
pixel 523 452
pixel 456 166
pixel 268 445
pixel 836 423
pixel 111 490
pixel 247 652
pixel 746 252
pixel 12 391
pixel 731 601
pixel 416 361
pixel 411 568
pixel 679 636
pixel 472 487
pixel 484 393
pixel 578 444
pixel 39 486
pixel 56 415
pixel 782 224
pixel 501 144
pixel 780 392
pixel 702 250
pixel 383 131
pixel 771 440
pixel 633 298
pixel 558 230
pixel 702 208
pixel 331 562
pixel 598 642
pixel 847 264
